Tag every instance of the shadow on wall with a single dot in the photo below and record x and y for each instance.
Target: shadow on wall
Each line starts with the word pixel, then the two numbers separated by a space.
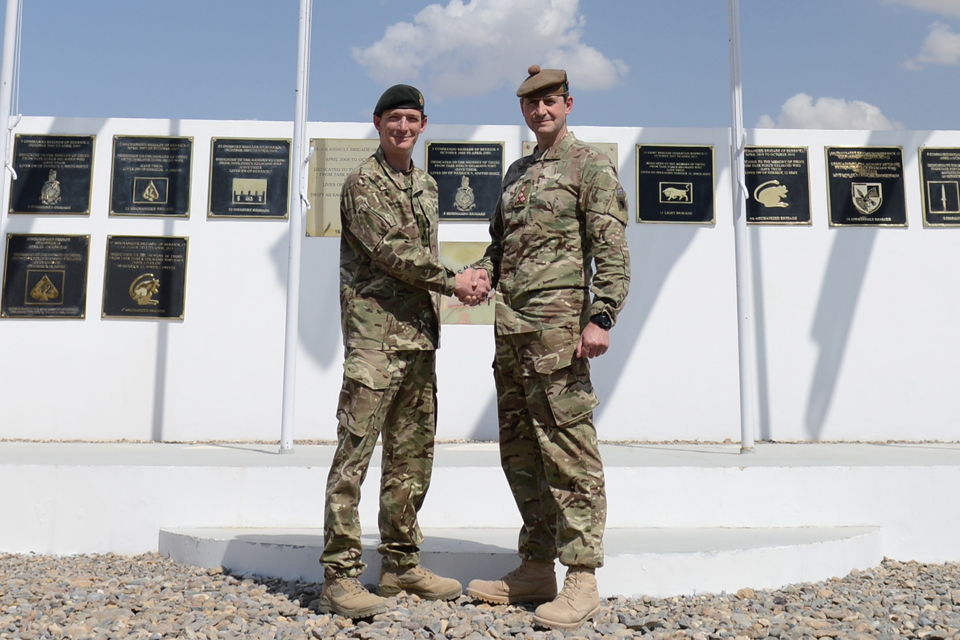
pixel 163 341
pixel 842 285
pixel 655 249
pixel 319 319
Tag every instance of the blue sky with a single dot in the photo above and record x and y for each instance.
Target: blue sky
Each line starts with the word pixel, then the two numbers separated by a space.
pixel 658 63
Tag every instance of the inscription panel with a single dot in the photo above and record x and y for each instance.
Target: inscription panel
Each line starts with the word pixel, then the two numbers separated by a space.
pixel 468 175
pixel 675 183
pixel 45 276
pixel 249 178
pixel 54 174
pixel 332 161
pixel 940 182
pixel 778 185
pixel 151 176
pixel 865 187
pixel 145 277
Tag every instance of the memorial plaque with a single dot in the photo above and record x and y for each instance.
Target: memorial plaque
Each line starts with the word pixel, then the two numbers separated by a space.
pixel 249 178
pixel 457 256
pixel 778 185
pixel 151 176
pixel 608 149
pixel 468 175
pixel 145 277
pixel 940 181
pixel 675 183
pixel 54 174
pixel 865 187
pixel 332 161
pixel 45 276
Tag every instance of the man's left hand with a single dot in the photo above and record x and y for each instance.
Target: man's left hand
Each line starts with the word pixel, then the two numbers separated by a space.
pixel 593 342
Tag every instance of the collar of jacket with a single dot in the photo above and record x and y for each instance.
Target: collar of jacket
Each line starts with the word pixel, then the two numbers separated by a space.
pixel 557 150
pixel 403 181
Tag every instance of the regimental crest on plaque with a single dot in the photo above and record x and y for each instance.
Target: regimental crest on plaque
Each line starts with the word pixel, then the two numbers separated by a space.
pixel 944 197
pixel 42 287
pixel 150 190
pixel 676 192
pixel 771 194
pixel 143 288
pixel 50 191
pixel 867 196
pixel 249 191
pixel 464 200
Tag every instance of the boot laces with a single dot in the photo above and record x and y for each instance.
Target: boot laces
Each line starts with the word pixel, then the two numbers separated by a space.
pixel 352 586
pixel 571 587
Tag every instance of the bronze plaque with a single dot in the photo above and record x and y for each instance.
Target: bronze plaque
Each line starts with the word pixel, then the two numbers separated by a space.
pixel 249 178
pixel 45 276
pixel 940 182
pixel 865 187
pixel 778 185
pixel 675 183
pixel 145 277
pixel 332 161
pixel 54 174
pixel 468 175
pixel 151 176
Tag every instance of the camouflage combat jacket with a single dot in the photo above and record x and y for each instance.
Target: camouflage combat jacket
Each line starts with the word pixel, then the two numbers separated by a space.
pixel 560 213
pixel 390 276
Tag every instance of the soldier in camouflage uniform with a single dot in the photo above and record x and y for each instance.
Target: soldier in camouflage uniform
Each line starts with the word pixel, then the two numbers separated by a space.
pixel 390 285
pixel 562 212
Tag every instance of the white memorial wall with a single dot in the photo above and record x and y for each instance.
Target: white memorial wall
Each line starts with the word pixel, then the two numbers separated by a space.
pixel 857 328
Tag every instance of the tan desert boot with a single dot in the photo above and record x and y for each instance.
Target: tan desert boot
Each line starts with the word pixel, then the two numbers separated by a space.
pixel 578 600
pixel 346 597
pixel 418 580
pixel 533 582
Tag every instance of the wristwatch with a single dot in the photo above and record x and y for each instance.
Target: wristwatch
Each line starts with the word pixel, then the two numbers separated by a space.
pixel 602 320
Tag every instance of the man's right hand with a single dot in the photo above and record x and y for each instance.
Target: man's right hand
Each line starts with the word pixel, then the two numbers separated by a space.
pixel 472 286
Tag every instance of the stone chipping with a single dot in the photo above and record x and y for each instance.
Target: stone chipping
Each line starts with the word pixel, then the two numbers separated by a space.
pixel 148 596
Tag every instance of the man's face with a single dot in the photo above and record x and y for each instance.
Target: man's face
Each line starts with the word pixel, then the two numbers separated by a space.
pixel 399 129
pixel 547 115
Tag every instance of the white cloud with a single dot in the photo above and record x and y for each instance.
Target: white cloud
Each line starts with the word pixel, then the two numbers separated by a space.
pixel 943 7
pixel 467 49
pixel 942 46
pixel 801 112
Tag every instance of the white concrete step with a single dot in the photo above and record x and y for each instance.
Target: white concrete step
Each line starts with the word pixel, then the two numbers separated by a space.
pixel 655 562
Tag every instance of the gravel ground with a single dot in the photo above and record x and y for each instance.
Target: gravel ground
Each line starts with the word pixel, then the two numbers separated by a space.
pixel 148 596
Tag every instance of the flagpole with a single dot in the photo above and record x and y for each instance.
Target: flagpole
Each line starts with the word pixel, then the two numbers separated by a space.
pixel 10 45
pixel 298 208
pixel 745 329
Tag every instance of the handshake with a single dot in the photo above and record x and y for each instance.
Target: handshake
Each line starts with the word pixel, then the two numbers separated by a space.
pixel 472 286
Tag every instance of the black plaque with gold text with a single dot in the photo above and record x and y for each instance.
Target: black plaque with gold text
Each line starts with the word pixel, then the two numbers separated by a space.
pixel 249 178
pixel 940 181
pixel 468 176
pixel 151 176
pixel 675 183
pixel 145 277
pixel 865 187
pixel 45 276
pixel 54 174
pixel 778 185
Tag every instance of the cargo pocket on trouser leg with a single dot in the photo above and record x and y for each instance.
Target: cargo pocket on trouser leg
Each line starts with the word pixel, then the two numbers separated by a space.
pixel 367 388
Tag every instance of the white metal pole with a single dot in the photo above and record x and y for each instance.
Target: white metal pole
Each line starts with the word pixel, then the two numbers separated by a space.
pixel 745 329
pixel 298 209
pixel 10 44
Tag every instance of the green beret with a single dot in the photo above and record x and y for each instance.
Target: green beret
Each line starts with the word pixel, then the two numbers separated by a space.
pixel 543 82
pixel 399 96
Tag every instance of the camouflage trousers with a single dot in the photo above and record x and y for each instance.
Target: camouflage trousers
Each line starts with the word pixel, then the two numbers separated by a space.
pixel 548 446
pixel 391 394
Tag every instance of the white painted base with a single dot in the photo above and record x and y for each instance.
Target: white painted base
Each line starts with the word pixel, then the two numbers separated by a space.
pixel 655 562
pixel 67 498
